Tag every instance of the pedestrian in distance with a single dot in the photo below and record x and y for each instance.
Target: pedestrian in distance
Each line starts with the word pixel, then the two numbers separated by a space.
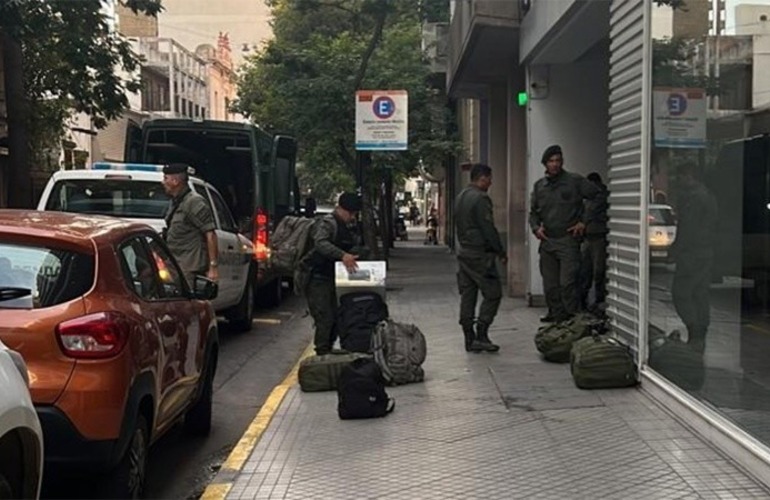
pixel 480 247
pixel 190 227
pixel 593 269
pixel 335 237
pixel 557 217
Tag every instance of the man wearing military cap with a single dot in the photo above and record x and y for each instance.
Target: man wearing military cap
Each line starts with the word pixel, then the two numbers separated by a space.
pixel 335 238
pixel 558 219
pixel 190 228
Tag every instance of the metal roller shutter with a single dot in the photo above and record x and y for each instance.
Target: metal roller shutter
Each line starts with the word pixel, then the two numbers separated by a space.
pixel 626 156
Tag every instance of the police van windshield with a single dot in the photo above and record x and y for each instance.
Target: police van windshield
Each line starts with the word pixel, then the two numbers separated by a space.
pixel 116 197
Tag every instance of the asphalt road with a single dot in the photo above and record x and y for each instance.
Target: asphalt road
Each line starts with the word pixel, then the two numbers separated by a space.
pixel 250 365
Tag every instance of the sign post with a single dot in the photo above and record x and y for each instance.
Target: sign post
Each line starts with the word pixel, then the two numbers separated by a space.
pixel 679 116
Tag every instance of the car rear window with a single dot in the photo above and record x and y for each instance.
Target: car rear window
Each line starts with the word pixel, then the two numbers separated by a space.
pixel 661 217
pixel 35 277
pixel 116 197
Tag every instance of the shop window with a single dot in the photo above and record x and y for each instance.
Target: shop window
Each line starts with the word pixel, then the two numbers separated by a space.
pixel 709 220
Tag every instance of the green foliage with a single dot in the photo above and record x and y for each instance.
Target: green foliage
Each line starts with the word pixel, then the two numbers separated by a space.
pixel 70 57
pixel 672 66
pixel 304 81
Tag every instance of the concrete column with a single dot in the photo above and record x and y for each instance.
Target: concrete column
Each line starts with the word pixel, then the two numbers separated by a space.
pixel 497 145
pixel 518 255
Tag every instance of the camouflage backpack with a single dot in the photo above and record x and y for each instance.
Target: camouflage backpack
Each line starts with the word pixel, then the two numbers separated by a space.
pixel 400 350
pixel 290 245
pixel 555 341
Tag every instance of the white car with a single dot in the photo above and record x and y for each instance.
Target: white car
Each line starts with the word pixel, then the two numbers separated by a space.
pixel 135 192
pixel 662 231
pixel 21 439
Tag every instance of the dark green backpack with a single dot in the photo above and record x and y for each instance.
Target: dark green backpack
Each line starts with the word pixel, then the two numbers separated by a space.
pixel 602 362
pixel 555 341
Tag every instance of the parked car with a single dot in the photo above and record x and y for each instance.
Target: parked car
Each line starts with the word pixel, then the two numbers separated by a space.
pixel 135 192
pixel 21 439
pixel 662 231
pixel 117 345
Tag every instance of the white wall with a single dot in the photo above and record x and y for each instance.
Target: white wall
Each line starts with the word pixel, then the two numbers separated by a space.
pixel 662 24
pixel 761 74
pixel 538 23
pixel 573 114
pixel 748 19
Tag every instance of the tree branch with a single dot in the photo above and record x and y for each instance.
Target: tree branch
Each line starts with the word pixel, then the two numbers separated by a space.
pixel 382 15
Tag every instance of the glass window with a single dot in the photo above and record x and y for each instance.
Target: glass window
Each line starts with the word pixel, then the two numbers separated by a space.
pixel 34 277
pixel 223 213
pixel 116 197
pixel 139 271
pixel 709 219
pixel 170 276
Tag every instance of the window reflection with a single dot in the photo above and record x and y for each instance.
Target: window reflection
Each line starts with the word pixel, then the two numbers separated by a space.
pixel 709 218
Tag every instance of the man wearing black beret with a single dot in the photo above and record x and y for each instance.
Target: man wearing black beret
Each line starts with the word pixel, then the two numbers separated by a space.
pixel 558 219
pixel 190 228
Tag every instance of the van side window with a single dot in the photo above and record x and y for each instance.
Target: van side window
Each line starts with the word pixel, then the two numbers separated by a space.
pixel 223 213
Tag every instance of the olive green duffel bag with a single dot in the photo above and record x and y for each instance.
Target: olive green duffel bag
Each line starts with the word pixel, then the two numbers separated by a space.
pixel 602 362
pixel 322 373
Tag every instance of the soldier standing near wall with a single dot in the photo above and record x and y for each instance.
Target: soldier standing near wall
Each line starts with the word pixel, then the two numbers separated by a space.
pixel 558 219
pixel 480 246
pixel 593 269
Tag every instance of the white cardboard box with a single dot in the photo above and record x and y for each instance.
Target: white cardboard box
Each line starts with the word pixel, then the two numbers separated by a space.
pixel 370 277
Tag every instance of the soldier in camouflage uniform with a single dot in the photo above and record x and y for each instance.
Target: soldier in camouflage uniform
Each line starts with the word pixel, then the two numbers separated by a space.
pixel 593 269
pixel 480 246
pixel 693 253
pixel 558 219
pixel 335 238
pixel 190 228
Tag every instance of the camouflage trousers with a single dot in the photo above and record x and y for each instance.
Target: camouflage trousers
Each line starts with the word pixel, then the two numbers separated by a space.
pixel 478 273
pixel 322 304
pixel 559 267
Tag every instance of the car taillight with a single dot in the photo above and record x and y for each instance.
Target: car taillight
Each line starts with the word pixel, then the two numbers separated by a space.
pixel 261 247
pixel 96 336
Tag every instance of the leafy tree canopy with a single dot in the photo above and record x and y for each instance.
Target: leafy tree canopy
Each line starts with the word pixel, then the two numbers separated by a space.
pixel 304 80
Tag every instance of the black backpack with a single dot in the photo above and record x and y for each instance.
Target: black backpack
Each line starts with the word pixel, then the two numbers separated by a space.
pixel 357 316
pixel 361 391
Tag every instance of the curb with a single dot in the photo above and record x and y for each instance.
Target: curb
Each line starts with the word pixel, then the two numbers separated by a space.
pixel 223 481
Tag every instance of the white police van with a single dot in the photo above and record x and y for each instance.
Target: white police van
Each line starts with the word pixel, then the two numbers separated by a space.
pixel 134 191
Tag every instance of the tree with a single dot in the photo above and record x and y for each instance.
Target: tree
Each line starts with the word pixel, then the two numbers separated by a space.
pixel 304 81
pixel 60 56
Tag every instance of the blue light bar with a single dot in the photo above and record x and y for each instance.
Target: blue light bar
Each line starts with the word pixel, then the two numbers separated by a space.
pixel 141 167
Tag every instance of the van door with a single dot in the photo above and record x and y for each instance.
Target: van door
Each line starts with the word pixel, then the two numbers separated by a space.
pixel 286 190
pixel 133 147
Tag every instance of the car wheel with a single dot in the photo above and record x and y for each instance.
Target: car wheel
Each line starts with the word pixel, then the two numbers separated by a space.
pixel 271 294
pixel 242 314
pixel 128 478
pixel 197 420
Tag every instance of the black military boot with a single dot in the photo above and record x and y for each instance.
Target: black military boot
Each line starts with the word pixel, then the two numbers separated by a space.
pixel 470 336
pixel 482 342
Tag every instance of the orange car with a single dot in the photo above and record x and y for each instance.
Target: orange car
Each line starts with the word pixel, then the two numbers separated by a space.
pixel 118 348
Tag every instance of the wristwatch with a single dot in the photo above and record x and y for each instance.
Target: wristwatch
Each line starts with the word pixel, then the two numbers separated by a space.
pixel 213 263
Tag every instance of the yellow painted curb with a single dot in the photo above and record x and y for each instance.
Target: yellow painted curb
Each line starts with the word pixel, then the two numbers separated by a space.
pixel 242 450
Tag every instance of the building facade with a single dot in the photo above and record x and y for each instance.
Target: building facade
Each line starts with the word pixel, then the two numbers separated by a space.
pixel 190 23
pixel 670 108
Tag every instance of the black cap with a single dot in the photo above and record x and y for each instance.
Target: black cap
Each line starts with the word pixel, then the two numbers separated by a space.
pixel 594 177
pixel 549 152
pixel 350 202
pixel 175 168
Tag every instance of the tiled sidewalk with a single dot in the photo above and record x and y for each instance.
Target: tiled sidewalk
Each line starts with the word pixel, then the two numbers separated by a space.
pixel 487 426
